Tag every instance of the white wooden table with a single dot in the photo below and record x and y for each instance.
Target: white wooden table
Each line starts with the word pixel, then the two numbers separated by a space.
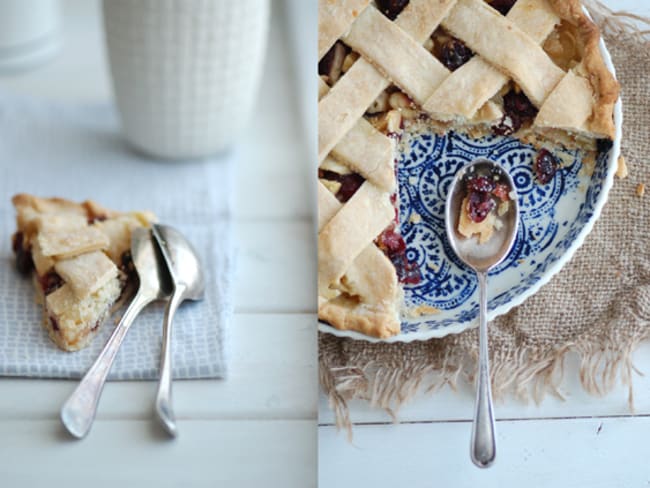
pixel 258 428
pixel 581 442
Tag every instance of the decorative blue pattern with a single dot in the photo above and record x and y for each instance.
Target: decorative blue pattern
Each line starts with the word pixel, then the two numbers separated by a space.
pixel 552 216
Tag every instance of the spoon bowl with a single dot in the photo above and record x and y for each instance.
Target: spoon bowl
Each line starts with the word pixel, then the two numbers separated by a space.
pixel 182 260
pixel 482 257
pixel 187 275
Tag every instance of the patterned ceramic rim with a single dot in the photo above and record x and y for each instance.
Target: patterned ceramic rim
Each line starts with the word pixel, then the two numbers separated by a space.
pixel 456 326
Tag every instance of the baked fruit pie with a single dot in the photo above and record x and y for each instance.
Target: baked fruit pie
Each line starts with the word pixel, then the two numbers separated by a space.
pixel 528 69
pixel 79 255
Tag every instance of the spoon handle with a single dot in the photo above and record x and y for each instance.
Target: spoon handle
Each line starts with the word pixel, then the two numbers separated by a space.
pixel 78 412
pixel 483 448
pixel 164 410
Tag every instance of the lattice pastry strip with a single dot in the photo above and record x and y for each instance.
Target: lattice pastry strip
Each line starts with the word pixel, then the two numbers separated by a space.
pixel 470 86
pixel 492 36
pixel 401 58
pixel 365 297
pixel 361 219
pixel 366 151
pixel 335 19
pixel 362 84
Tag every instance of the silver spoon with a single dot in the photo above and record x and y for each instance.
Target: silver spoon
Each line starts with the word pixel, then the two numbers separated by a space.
pixel 482 258
pixel 79 410
pixel 189 284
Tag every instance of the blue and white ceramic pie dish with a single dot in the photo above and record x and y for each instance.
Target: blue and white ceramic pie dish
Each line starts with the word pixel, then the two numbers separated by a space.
pixel 555 219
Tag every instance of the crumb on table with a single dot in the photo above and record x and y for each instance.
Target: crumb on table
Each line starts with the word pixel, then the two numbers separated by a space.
pixel 640 190
pixel 621 169
pixel 421 310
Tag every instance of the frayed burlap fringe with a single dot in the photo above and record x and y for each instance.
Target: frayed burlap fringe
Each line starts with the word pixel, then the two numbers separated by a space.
pixel 527 374
pixel 620 22
pixel 526 363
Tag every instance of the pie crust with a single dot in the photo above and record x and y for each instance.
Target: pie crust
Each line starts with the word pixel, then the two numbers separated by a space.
pixel 79 255
pixel 452 65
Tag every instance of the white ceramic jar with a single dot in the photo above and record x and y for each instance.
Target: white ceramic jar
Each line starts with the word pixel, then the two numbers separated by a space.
pixel 30 33
pixel 185 72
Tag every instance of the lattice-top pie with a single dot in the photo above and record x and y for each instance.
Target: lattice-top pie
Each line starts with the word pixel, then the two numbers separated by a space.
pixel 80 258
pixel 530 69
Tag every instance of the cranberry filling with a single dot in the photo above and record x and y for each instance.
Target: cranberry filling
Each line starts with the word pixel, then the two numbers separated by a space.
pixel 96 218
pixel 480 184
pixel 391 8
pixel 502 192
pixel 50 282
pixel 128 269
pixel 545 166
pixel 350 183
pixel 393 245
pixel 454 53
pixel 604 145
pixel 24 261
pixel 481 191
pixel 518 110
pixel 126 264
pixel 502 6
pixel 479 205
pixel 55 324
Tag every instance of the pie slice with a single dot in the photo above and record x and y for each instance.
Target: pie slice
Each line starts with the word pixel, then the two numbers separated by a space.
pixel 528 69
pixel 79 255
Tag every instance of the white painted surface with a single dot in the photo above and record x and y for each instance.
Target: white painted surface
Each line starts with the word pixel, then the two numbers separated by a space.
pixel 258 428
pixel 251 453
pixel 594 453
pixel 583 441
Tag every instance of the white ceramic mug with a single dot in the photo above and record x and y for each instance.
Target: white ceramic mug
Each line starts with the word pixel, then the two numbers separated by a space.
pixel 185 72
pixel 30 33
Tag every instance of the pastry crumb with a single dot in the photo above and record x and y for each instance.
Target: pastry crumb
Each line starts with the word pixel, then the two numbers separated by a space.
pixel 640 190
pixel 433 267
pixel 415 218
pixel 621 169
pixel 332 186
pixel 421 310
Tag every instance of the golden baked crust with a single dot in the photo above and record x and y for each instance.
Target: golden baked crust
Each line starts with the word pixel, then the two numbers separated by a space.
pixel 76 253
pixel 348 315
pixel 605 87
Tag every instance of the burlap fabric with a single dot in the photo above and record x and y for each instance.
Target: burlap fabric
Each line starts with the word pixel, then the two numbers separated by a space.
pixel 598 306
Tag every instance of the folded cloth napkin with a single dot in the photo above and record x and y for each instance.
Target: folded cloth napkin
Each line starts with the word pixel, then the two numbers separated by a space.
pixel 77 152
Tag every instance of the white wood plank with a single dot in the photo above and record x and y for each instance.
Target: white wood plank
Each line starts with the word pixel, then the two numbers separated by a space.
pixel 273 189
pixel 134 453
pixel 593 453
pixel 447 404
pixel 272 376
pixel 276 267
pixel 274 171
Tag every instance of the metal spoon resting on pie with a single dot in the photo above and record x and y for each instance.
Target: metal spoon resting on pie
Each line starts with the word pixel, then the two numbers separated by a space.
pixel 481 219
